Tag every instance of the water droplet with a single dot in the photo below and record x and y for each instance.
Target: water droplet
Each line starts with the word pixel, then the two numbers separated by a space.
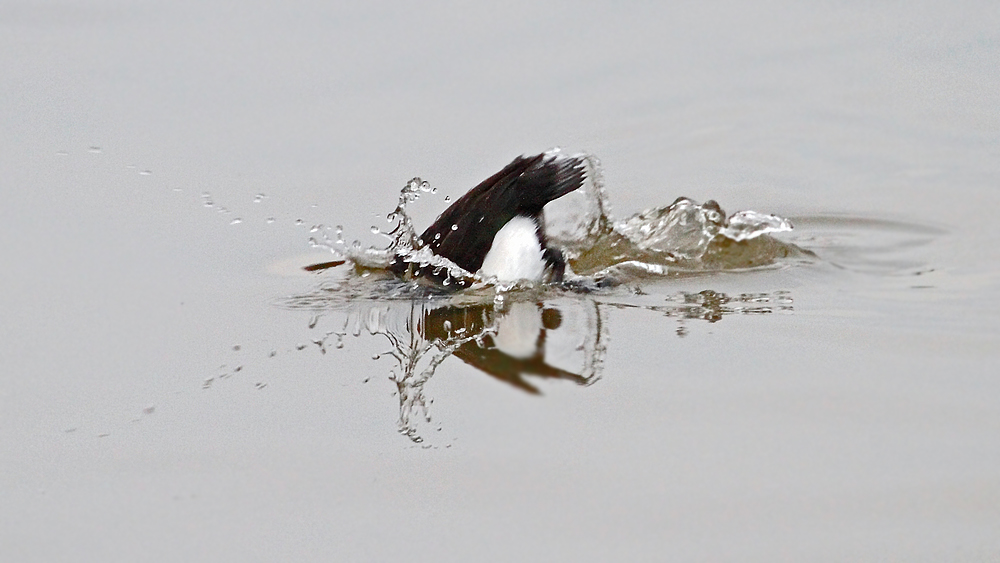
pixel 223 210
pixel 260 385
pixel 272 354
pixel 145 172
pixel 315 228
pixel 300 347
pixel 356 245
pixel 149 410
pixel 62 153
pixel 94 150
pixel 447 198
pixel 454 227
pixel 236 348
pixel 375 230
pixel 258 198
pixel 447 326
pixel 236 221
pixel 131 166
pixel 299 222
pixel 376 356
pixel 177 189
pixel 270 219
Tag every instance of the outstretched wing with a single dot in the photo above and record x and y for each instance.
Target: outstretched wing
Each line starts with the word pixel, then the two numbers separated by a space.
pixel 465 231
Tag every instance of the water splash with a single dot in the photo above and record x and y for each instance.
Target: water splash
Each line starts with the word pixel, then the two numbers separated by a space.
pixel 682 238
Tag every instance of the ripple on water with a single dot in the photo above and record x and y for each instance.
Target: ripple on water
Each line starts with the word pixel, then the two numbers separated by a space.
pixel 868 245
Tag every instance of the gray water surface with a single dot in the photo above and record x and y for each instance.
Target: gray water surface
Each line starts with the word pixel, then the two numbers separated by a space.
pixel 161 401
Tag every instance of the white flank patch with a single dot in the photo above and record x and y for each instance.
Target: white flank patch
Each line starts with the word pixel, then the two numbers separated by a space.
pixel 516 253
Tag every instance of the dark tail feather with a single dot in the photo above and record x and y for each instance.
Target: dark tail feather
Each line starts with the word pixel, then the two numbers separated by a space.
pixel 549 177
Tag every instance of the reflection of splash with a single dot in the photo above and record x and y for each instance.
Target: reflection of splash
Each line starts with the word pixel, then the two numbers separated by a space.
pixel 518 338
pixel 512 340
pixel 711 306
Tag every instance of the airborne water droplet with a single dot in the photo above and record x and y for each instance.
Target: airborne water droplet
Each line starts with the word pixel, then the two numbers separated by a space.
pixel 375 230
pixel 94 150
pixel 299 222
pixel 454 227
pixel 270 219
pixel 258 198
pixel 145 172
pixel 236 221
pixel 447 198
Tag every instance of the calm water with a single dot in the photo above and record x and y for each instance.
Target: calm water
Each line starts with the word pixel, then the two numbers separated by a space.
pixel 173 387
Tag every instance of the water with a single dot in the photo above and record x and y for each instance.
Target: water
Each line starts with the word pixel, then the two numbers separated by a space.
pixel 175 386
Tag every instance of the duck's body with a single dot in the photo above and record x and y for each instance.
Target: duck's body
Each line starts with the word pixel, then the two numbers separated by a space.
pixel 496 230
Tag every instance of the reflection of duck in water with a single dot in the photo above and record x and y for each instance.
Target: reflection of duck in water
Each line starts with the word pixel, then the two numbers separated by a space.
pixel 514 345
pixel 496 229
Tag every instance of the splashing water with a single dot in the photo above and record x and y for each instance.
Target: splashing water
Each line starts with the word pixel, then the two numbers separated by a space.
pixel 682 238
